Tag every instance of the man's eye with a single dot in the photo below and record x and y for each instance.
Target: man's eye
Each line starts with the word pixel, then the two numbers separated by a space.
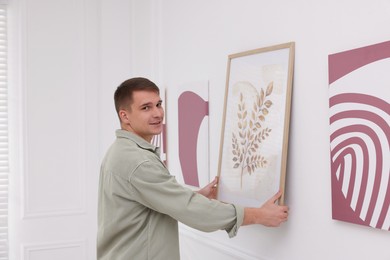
pixel 145 108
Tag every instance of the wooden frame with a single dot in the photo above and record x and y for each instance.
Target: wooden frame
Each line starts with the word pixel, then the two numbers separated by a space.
pixel 254 139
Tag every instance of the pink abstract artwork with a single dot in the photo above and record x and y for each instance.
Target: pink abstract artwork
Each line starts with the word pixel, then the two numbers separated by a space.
pixel 359 117
pixel 192 111
pixel 193 133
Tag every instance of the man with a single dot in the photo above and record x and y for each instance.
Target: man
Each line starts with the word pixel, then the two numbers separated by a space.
pixel 140 203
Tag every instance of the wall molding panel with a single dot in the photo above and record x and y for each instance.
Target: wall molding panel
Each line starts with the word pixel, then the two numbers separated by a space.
pixel 54 180
pixel 58 56
pixel 75 250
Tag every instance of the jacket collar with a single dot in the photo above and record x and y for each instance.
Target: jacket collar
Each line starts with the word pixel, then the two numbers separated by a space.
pixel 120 133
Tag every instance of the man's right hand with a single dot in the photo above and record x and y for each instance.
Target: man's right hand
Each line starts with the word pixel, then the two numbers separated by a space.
pixel 269 214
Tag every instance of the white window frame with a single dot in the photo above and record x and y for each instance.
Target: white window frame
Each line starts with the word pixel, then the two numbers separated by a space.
pixel 4 130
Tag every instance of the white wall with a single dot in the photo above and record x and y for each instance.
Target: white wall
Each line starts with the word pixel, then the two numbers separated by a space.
pixel 175 42
pixel 54 85
pixel 195 38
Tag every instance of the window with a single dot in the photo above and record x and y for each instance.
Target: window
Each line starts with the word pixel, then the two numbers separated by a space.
pixel 4 167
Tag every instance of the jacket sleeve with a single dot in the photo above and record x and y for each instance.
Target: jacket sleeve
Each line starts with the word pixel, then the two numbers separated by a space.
pixel 152 185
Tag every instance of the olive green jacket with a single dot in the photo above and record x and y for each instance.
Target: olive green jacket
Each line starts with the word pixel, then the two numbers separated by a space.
pixel 140 205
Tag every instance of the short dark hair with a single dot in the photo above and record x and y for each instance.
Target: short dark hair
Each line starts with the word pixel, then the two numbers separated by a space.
pixel 124 93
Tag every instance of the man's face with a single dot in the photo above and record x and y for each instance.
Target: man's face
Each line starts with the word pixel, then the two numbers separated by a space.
pixel 145 116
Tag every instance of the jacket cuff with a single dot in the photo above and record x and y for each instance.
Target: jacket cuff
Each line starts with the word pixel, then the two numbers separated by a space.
pixel 232 232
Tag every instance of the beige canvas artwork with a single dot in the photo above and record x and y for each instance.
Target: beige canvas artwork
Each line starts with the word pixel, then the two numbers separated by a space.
pixel 254 137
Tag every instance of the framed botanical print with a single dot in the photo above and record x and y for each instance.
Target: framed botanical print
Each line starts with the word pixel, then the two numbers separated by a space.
pixel 254 139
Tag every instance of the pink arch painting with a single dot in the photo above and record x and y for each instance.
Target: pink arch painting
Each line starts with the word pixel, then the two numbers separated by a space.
pixel 192 110
pixel 360 137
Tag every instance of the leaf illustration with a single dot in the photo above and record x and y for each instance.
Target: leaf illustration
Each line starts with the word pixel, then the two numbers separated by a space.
pixel 270 87
pixel 268 103
pixel 246 147
pixel 261 98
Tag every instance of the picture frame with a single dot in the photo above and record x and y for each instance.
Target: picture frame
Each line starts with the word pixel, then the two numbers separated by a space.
pixel 255 129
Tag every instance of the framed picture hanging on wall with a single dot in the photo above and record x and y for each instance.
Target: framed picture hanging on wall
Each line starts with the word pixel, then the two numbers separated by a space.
pixel 254 139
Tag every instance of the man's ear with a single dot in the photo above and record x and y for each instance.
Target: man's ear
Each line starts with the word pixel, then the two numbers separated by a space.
pixel 123 115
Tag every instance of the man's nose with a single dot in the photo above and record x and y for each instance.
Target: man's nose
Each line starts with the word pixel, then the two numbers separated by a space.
pixel 158 112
